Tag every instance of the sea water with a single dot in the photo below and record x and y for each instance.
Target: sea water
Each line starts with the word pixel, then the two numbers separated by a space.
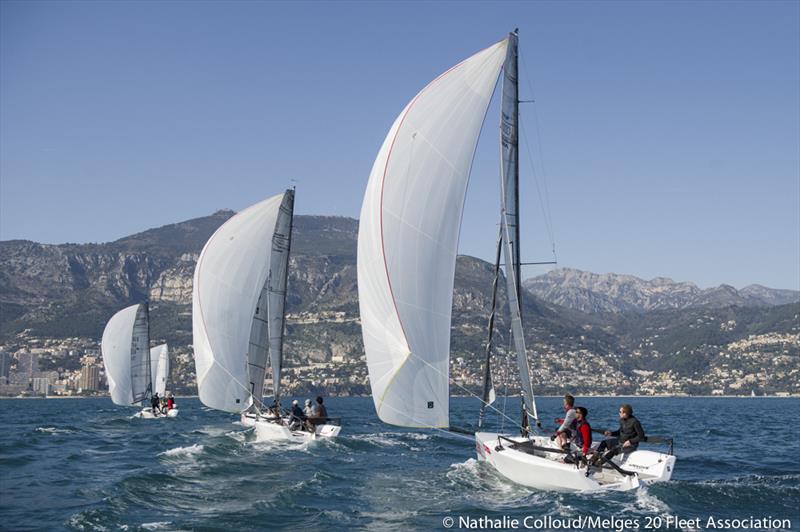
pixel 86 464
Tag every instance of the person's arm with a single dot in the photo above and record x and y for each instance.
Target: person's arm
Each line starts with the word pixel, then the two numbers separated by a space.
pixel 587 437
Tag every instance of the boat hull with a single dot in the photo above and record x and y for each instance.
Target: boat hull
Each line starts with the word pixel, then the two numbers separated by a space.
pixel 147 413
pixel 248 419
pixel 272 431
pixel 545 470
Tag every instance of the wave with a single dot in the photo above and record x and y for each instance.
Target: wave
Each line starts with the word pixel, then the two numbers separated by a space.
pixel 55 430
pixel 191 450
pixel 157 525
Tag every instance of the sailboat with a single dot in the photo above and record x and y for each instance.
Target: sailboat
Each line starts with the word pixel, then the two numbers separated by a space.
pixel 407 245
pixel 238 314
pixel 134 371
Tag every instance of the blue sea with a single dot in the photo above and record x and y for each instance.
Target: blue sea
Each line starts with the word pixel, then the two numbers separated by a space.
pixel 86 464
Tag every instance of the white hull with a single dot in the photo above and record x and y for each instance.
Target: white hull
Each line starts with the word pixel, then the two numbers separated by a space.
pixel 147 413
pixel 544 470
pixel 272 431
pixel 248 419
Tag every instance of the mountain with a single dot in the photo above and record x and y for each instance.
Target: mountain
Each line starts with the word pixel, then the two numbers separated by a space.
pixel 584 331
pixel 72 290
pixel 611 292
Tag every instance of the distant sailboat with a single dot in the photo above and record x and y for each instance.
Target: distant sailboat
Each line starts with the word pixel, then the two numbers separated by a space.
pixel 407 245
pixel 238 301
pixel 133 370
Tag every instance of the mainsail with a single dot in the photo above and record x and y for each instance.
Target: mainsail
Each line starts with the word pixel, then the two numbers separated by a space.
pixel 126 355
pixel 408 239
pixel 278 277
pixel 159 368
pixel 230 300
pixel 509 137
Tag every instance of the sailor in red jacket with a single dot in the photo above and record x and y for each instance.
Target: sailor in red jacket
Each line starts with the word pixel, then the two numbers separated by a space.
pixel 583 431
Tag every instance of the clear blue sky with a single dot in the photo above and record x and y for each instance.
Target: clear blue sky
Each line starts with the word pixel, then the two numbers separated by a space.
pixel 669 131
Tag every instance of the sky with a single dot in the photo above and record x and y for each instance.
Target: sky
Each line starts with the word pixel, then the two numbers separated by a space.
pixel 664 140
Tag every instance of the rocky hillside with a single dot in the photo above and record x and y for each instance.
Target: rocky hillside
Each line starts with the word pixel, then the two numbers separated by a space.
pixel 72 290
pixel 610 292
pixel 603 326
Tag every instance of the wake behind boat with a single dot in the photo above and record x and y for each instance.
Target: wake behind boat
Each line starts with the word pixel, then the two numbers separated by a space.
pixel 238 316
pixel 407 245
pixel 136 374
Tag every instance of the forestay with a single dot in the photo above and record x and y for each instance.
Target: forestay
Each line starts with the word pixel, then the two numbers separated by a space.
pixel 126 356
pixel 228 305
pixel 159 368
pixel 408 238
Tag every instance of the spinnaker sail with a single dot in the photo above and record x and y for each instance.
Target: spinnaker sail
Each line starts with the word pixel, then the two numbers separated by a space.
pixel 159 368
pixel 126 355
pixel 231 311
pixel 408 238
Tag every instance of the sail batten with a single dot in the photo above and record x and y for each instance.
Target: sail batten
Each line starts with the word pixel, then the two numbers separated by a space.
pixel 408 237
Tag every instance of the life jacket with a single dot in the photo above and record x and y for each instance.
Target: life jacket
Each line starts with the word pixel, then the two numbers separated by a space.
pixel 578 438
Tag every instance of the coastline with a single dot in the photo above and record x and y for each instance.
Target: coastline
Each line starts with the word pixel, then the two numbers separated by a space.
pixel 666 396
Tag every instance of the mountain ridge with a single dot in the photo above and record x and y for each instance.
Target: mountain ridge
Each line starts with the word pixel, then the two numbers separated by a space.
pixel 612 292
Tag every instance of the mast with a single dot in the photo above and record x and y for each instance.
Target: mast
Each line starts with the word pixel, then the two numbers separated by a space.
pixel 509 132
pixel 279 276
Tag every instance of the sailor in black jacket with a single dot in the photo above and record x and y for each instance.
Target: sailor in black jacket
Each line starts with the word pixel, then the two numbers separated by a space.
pixel 627 438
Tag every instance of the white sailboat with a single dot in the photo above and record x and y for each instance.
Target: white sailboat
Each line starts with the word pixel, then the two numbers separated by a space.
pixel 407 244
pixel 133 370
pixel 238 301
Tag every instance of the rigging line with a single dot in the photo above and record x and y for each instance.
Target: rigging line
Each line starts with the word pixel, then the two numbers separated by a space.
pixel 548 224
pixel 528 78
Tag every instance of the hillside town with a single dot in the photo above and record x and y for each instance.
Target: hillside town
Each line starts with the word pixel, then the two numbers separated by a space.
pixel 765 364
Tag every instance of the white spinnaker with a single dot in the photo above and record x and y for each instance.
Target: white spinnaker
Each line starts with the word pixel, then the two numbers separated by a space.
pixel 159 368
pixel 116 349
pixel 408 240
pixel 228 280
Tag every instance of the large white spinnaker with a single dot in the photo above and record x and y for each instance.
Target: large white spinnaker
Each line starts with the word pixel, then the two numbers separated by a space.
pixel 229 315
pixel 408 239
pixel 126 355
pixel 159 368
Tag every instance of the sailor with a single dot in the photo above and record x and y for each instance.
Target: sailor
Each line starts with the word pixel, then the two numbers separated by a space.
pixel 296 417
pixel 308 410
pixel 320 412
pixel 154 404
pixel 170 402
pixel 583 431
pixel 564 431
pixel 626 439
